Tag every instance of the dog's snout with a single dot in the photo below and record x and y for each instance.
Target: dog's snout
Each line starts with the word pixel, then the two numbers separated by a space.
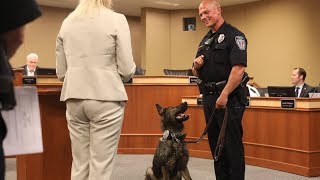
pixel 184 106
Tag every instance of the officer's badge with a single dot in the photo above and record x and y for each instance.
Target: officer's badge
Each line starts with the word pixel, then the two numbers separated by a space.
pixel 241 42
pixel 220 38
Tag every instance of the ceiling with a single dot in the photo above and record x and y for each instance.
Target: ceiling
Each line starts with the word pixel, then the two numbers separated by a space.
pixel 133 7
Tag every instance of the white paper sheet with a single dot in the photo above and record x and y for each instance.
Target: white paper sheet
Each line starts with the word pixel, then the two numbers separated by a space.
pixel 23 123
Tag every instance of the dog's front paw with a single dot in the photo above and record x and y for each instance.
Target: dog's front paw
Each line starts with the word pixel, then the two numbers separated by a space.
pixel 150 175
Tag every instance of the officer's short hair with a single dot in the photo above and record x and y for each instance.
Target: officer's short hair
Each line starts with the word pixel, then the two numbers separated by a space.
pixel 302 72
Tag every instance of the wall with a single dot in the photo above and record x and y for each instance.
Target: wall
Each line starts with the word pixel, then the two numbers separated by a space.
pixel 157 46
pixel 281 35
pixel 40 37
pixel 184 44
pixel 136 41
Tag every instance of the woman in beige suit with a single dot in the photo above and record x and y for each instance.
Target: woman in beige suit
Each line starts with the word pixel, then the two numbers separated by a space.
pixel 93 58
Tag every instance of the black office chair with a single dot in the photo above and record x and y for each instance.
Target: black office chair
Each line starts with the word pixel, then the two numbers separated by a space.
pixel 174 72
pixel 139 71
pixel 262 91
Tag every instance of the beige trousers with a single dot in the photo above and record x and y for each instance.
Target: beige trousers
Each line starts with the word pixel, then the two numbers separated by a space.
pixel 94 128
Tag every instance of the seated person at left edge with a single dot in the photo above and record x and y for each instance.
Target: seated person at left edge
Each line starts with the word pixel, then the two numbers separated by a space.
pixel 30 69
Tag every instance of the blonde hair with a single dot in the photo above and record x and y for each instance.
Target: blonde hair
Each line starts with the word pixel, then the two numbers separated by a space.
pixel 91 7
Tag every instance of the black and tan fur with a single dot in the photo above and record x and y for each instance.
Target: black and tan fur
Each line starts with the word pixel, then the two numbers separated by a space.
pixel 171 156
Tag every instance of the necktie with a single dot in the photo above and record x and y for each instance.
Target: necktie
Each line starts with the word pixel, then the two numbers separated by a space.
pixel 297 91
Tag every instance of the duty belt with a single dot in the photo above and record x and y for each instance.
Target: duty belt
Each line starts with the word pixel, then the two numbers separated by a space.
pixel 213 87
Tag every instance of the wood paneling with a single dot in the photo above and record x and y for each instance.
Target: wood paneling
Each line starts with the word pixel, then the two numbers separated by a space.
pixel 141 115
pixel 286 140
pixel 55 162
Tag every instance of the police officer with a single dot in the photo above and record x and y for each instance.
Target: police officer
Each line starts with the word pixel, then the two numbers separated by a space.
pixel 222 56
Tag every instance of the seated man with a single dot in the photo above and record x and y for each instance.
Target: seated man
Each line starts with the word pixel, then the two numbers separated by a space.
pixel 298 77
pixel 30 69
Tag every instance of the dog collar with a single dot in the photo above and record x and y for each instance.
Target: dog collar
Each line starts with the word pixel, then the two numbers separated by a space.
pixel 167 134
pixel 175 138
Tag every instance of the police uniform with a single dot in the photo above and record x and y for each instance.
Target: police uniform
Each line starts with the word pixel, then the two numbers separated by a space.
pixel 222 50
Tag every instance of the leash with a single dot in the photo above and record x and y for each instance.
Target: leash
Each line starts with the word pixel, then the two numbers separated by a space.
pixel 204 131
pixel 221 138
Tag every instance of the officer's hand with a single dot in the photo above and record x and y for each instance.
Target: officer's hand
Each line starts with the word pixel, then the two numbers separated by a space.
pixel 222 101
pixel 198 62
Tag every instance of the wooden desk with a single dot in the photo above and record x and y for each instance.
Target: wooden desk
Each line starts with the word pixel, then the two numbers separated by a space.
pixel 282 139
pixel 55 162
pixel 276 138
pixel 140 131
pixel 141 127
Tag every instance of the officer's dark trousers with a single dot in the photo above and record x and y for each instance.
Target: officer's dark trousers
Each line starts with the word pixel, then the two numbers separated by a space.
pixel 230 165
pixel 3 132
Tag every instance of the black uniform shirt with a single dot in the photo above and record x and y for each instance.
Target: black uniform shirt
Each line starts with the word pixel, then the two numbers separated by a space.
pixel 222 50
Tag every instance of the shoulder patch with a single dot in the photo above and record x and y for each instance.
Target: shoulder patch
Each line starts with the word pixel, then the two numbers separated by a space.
pixel 241 42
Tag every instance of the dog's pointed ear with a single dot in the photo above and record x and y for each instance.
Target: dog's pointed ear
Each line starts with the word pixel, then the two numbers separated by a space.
pixel 160 109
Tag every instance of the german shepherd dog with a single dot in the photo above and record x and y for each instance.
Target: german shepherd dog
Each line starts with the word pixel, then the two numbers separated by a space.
pixel 171 156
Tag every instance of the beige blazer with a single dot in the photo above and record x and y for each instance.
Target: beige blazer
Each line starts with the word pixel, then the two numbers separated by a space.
pixel 93 56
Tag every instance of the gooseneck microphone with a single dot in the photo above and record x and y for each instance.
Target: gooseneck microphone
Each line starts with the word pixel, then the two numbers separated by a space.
pixel 315 89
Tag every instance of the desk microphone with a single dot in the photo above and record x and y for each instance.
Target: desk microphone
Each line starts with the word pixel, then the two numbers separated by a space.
pixel 315 90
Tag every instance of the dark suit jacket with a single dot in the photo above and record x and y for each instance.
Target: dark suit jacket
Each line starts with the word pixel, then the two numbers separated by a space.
pixel 25 70
pixel 306 89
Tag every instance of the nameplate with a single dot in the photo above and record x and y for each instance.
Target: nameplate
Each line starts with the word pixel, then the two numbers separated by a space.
pixel 29 80
pixel 199 101
pixel 288 103
pixel 248 102
pixel 193 80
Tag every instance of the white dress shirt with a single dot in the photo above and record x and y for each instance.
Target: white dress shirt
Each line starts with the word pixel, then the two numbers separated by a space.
pixel 299 90
pixel 30 72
